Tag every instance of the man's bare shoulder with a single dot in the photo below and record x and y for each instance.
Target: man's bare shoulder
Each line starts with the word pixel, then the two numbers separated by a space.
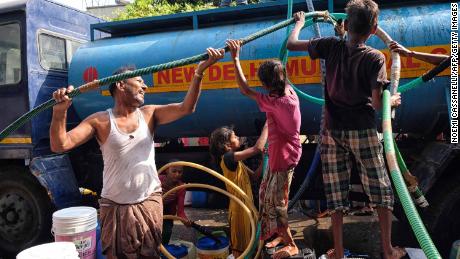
pixel 102 115
pixel 100 122
pixel 98 118
pixel 148 110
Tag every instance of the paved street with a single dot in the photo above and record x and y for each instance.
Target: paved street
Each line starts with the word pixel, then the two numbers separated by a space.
pixel 361 232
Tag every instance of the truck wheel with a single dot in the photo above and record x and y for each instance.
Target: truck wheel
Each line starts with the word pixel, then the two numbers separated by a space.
pixel 25 211
pixel 443 214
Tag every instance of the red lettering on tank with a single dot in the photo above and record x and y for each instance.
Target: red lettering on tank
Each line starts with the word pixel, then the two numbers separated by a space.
pixel 177 75
pixel 292 68
pixel 305 70
pixel 188 73
pixel 164 77
pixel 214 73
pixel 439 51
pixel 252 70
pixel 228 72
pixel 411 63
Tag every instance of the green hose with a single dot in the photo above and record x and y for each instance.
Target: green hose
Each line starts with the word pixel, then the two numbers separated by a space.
pixel 416 223
pixel 411 85
pixel 283 56
pixel 147 70
pixel 427 76
pixel 417 194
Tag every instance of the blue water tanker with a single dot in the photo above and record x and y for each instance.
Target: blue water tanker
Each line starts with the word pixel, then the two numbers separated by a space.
pixel 155 40
pixel 41 37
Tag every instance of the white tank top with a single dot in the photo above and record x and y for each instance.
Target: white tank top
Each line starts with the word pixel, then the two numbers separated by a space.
pixel 130 174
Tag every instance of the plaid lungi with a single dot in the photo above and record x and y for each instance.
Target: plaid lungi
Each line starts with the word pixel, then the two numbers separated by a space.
pixel 338 150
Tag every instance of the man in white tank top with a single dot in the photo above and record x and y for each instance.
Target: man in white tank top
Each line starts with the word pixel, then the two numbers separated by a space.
pixel 131 209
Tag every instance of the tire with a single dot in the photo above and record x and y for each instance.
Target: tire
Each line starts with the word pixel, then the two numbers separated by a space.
pixel 25 211
pixel 442 217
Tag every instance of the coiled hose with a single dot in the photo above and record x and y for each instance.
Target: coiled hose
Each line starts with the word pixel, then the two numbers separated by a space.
pixel 231 196
pixel 246 201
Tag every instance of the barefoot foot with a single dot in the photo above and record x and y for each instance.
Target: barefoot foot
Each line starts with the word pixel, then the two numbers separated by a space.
pixel 274 242
pixel 395 253
pixel 286 252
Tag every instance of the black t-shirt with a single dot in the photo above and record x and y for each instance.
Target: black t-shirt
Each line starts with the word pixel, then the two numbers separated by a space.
pixel 229 161
pixel 351 75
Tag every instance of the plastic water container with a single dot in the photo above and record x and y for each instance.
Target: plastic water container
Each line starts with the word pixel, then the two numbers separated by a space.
pixel 178 251
pixel 199 199
pixel 455 251
pixel 191 250
pixel 56 250
pixel 208 248
pixel 77 225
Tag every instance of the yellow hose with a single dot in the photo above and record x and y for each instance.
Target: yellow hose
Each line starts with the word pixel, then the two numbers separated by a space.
pixel 166 253
pixel 259 249
pixel 229 183
pixel 218 176
pixel 231 196
pixel 226 181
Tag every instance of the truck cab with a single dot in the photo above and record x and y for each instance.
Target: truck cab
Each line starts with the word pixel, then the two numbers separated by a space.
pixel 38 40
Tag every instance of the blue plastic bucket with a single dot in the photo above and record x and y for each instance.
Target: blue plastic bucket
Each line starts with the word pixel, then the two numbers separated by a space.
pixel 208 248
pixel 178 251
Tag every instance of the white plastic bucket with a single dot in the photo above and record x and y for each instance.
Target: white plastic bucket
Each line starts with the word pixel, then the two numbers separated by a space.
pixel 207 248
pixel 212 254
pixel 77 225
pixel 56 250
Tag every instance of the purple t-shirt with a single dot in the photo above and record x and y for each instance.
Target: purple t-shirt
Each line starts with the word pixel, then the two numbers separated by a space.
pixel 283 118
pixel 351 75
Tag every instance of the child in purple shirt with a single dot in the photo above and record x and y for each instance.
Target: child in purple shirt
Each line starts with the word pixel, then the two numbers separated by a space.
pixel 281 106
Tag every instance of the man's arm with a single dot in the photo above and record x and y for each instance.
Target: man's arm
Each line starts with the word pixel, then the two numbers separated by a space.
pixel 235 47
pixel 60 139
pixel 180 208
pixel 180 204
pixel 434 59
pixel 293 41
pixel 174 111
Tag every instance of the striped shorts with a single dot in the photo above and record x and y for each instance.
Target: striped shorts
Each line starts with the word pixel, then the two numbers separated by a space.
pixel 338 150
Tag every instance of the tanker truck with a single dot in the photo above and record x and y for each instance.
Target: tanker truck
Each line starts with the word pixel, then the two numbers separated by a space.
pixel 35 182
